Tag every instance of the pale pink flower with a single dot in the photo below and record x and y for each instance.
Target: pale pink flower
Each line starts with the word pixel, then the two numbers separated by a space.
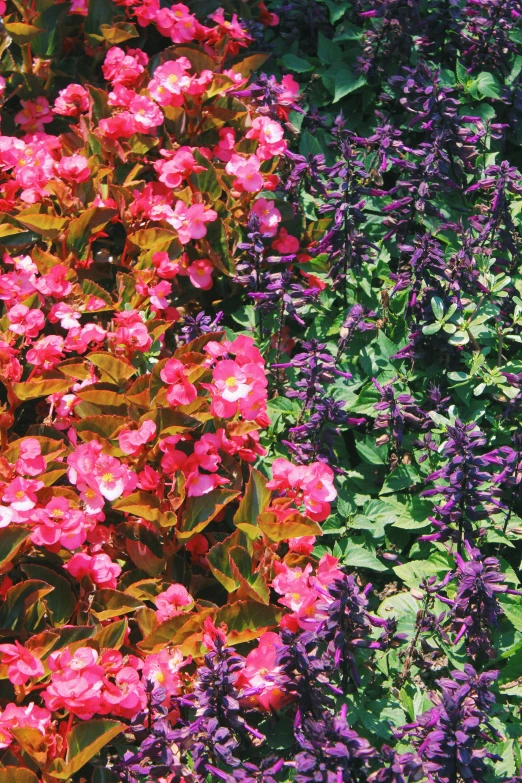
pixel 132 441
pixel 172 602
pixel 30 462
pixel 22 320
pixel 74 168
pixel 200 273
pixel 21 493
pixel 72 101
pixel 21 664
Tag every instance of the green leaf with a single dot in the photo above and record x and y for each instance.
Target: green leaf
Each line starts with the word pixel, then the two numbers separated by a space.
pixel 49 43
pixel 219 563
pixel 247 620
pixel 255 500
pixel 90 222
pixel 488 85
pixel 431 328
pixel 199 512
pixel 41 387
pixel 295 525
pixel 17 775
pixel 99 12
pixel 61 602
pixel 49 226
pixel 175 631
pixel 401 477
pixel 359 557
pixel 109 603
pixel 252 583
pixel 19 599
pixel 437 305
pixel 86 740
pixel 112 636
pixel 513 612
pixel 11 540
pixel 22 33
pixel 112 368
pixel 296 64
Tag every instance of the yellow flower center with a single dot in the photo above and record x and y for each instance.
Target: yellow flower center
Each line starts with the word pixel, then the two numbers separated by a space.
pixel 230 381
pixel 107 478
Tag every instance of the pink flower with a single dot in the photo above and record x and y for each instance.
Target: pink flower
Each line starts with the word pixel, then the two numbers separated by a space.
pixel 34 114
pixel 27 717
pixel 72 101
pixel 22 320
pixel 198 484
pixel 285 242
pixel 30 462
pixel 170 81
pixel 109 475
pixel 74 169
pixel 165 267
pixel 21 493
pixel 260 674
pixel 158 295
pixel 180 391
pixel 163 668
pixel 46 352
pixel 124 68
pixel 171 602
pixel 246 171
pixel 58 524
pixel 230 380
pixel 178 23
pixel 200 273
pixel 225 147
pixel 146 114
pixel 22 664
pixel 55 282
pixel 132 441
pixel 190 221
pixel 268 214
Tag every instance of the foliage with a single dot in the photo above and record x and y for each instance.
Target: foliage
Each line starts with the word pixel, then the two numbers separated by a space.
pixel 260 329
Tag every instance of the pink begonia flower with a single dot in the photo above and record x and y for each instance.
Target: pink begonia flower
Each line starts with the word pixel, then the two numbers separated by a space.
pixel 170 81
pixel 74 168
pixel 200 274
pixel 124 68
pixel 21 664
pixel 28 717
pixel 21 493
pixel 246 171
pixel 22 320
pixel 30 462
pixel 224 149
pixel 146 113
pixel 132 441
pixel 290 91
pixel 109 475
pixel 180 391
pixel 158 295
pixel 131 331
pixel 121 126
pixel 46 352
pixel 121 96
pixel 162 669
pixel 177 23
pixel 260 673
pixel 58 524
pixel 198 484
pixel 166 267
pixel 72 101
pixel 268 214
pixel 55 282
pixel 65 314
pixel 100 568
pixel 34 114
pixel 125 697
pixel 286 243
pixel 171 602
pixel 304 545
pixel 190 221
pixel 231 380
